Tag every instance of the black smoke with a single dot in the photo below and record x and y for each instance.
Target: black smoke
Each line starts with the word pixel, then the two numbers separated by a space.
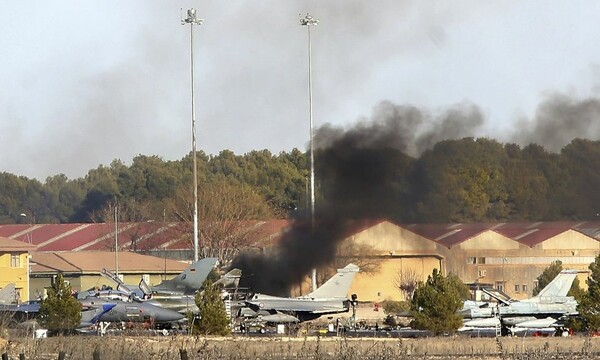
pixel 360 172
pixel 558 120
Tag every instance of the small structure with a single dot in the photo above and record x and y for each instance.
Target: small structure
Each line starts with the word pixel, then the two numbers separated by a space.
pixel 14 266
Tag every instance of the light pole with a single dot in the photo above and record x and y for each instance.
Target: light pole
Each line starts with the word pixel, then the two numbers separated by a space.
pixel 309 21
pixel 192 20
pixel 116 240
pixel 503 278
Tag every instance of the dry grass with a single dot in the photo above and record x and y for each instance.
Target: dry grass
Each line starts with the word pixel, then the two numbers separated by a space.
pixel 239 348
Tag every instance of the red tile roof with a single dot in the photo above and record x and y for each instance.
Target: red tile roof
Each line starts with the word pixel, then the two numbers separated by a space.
pixel 177 236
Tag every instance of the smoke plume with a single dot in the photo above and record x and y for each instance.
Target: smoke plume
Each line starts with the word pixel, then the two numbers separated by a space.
pixel 358 171
pixel 358 168
pixel 558 120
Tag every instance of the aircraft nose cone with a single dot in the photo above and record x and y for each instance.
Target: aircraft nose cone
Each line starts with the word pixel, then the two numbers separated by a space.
pixel 167 315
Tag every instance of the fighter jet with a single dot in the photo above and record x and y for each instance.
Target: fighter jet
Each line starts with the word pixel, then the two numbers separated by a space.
pixel 26 314
pixel 330 298
pixel 187 303
pixel 177 294
pixel 133 311
pixel 546 310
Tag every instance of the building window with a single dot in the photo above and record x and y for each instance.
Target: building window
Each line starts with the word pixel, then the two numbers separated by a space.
pixel 15 260
pixel 535 284
pixel 500 285
pixel 524 288
pixel 481 260
pixel 516 287
pixel 471 260
pixel 481 273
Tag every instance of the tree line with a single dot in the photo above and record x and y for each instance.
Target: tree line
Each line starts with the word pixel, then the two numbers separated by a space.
pixel 465 180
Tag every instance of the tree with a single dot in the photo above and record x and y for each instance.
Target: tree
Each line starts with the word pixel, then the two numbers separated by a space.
pixel 436 302
pixel 589 306
pixel 227 212
pixel 550 273
pixel 547 276
pixel 406 280
pixel 60 311
pixel 213 318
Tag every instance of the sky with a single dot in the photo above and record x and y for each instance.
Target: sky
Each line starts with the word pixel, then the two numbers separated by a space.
pixel 84 83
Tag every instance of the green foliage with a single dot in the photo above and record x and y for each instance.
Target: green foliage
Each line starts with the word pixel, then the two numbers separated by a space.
pixel 547 276
pixel 213 318
pixel 465 180
pixel 435 303
pixel 60 311
pixel 550 273
pixel 391 307
pixel 589 306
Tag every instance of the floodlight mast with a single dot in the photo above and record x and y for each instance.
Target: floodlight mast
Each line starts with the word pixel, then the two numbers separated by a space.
pixel 309 21
pixel 192 20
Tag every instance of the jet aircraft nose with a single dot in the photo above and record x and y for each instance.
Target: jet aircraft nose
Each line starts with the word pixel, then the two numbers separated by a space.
pixel 167 315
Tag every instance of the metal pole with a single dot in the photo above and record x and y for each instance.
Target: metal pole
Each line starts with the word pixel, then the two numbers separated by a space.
pixel 308 21
pixel 312 149
pixel 191 19
pixel 116 241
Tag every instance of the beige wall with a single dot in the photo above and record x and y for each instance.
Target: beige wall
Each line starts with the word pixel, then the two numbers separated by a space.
pixel 386 237
pixel 519 265
pixel 15 274
pixel 489 240
pixel 382 285
pixel 571 240
pixel 500 260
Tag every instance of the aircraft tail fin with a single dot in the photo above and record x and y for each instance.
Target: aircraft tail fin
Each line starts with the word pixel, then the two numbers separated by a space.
pixel 8 294
pixel 231 279
pixel 338 285
pixel 190 279
pixel 560 285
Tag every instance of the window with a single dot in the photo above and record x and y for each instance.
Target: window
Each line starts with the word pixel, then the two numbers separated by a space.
pixel 524 288
pixel 535 284
pixel 471 260
pixel 481 260
pixel 146 278
pixel 516 287
pixel 15 260
pixel 481 273
pixel 500 285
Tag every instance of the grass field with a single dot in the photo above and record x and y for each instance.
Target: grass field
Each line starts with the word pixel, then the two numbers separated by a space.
pixel 114 347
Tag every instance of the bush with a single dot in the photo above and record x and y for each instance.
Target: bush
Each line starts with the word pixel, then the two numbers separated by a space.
pixel 435 303
pixel 60 312
pixel 213 318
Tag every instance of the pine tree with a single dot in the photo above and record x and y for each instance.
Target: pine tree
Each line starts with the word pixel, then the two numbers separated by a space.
pixel 547 276
pixel 550 273
pixel 435 303
pixel 60 311
pixel 589 306
pixel 213 317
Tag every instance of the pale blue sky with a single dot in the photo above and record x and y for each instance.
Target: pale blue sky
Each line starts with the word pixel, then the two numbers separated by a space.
pixel 85 82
